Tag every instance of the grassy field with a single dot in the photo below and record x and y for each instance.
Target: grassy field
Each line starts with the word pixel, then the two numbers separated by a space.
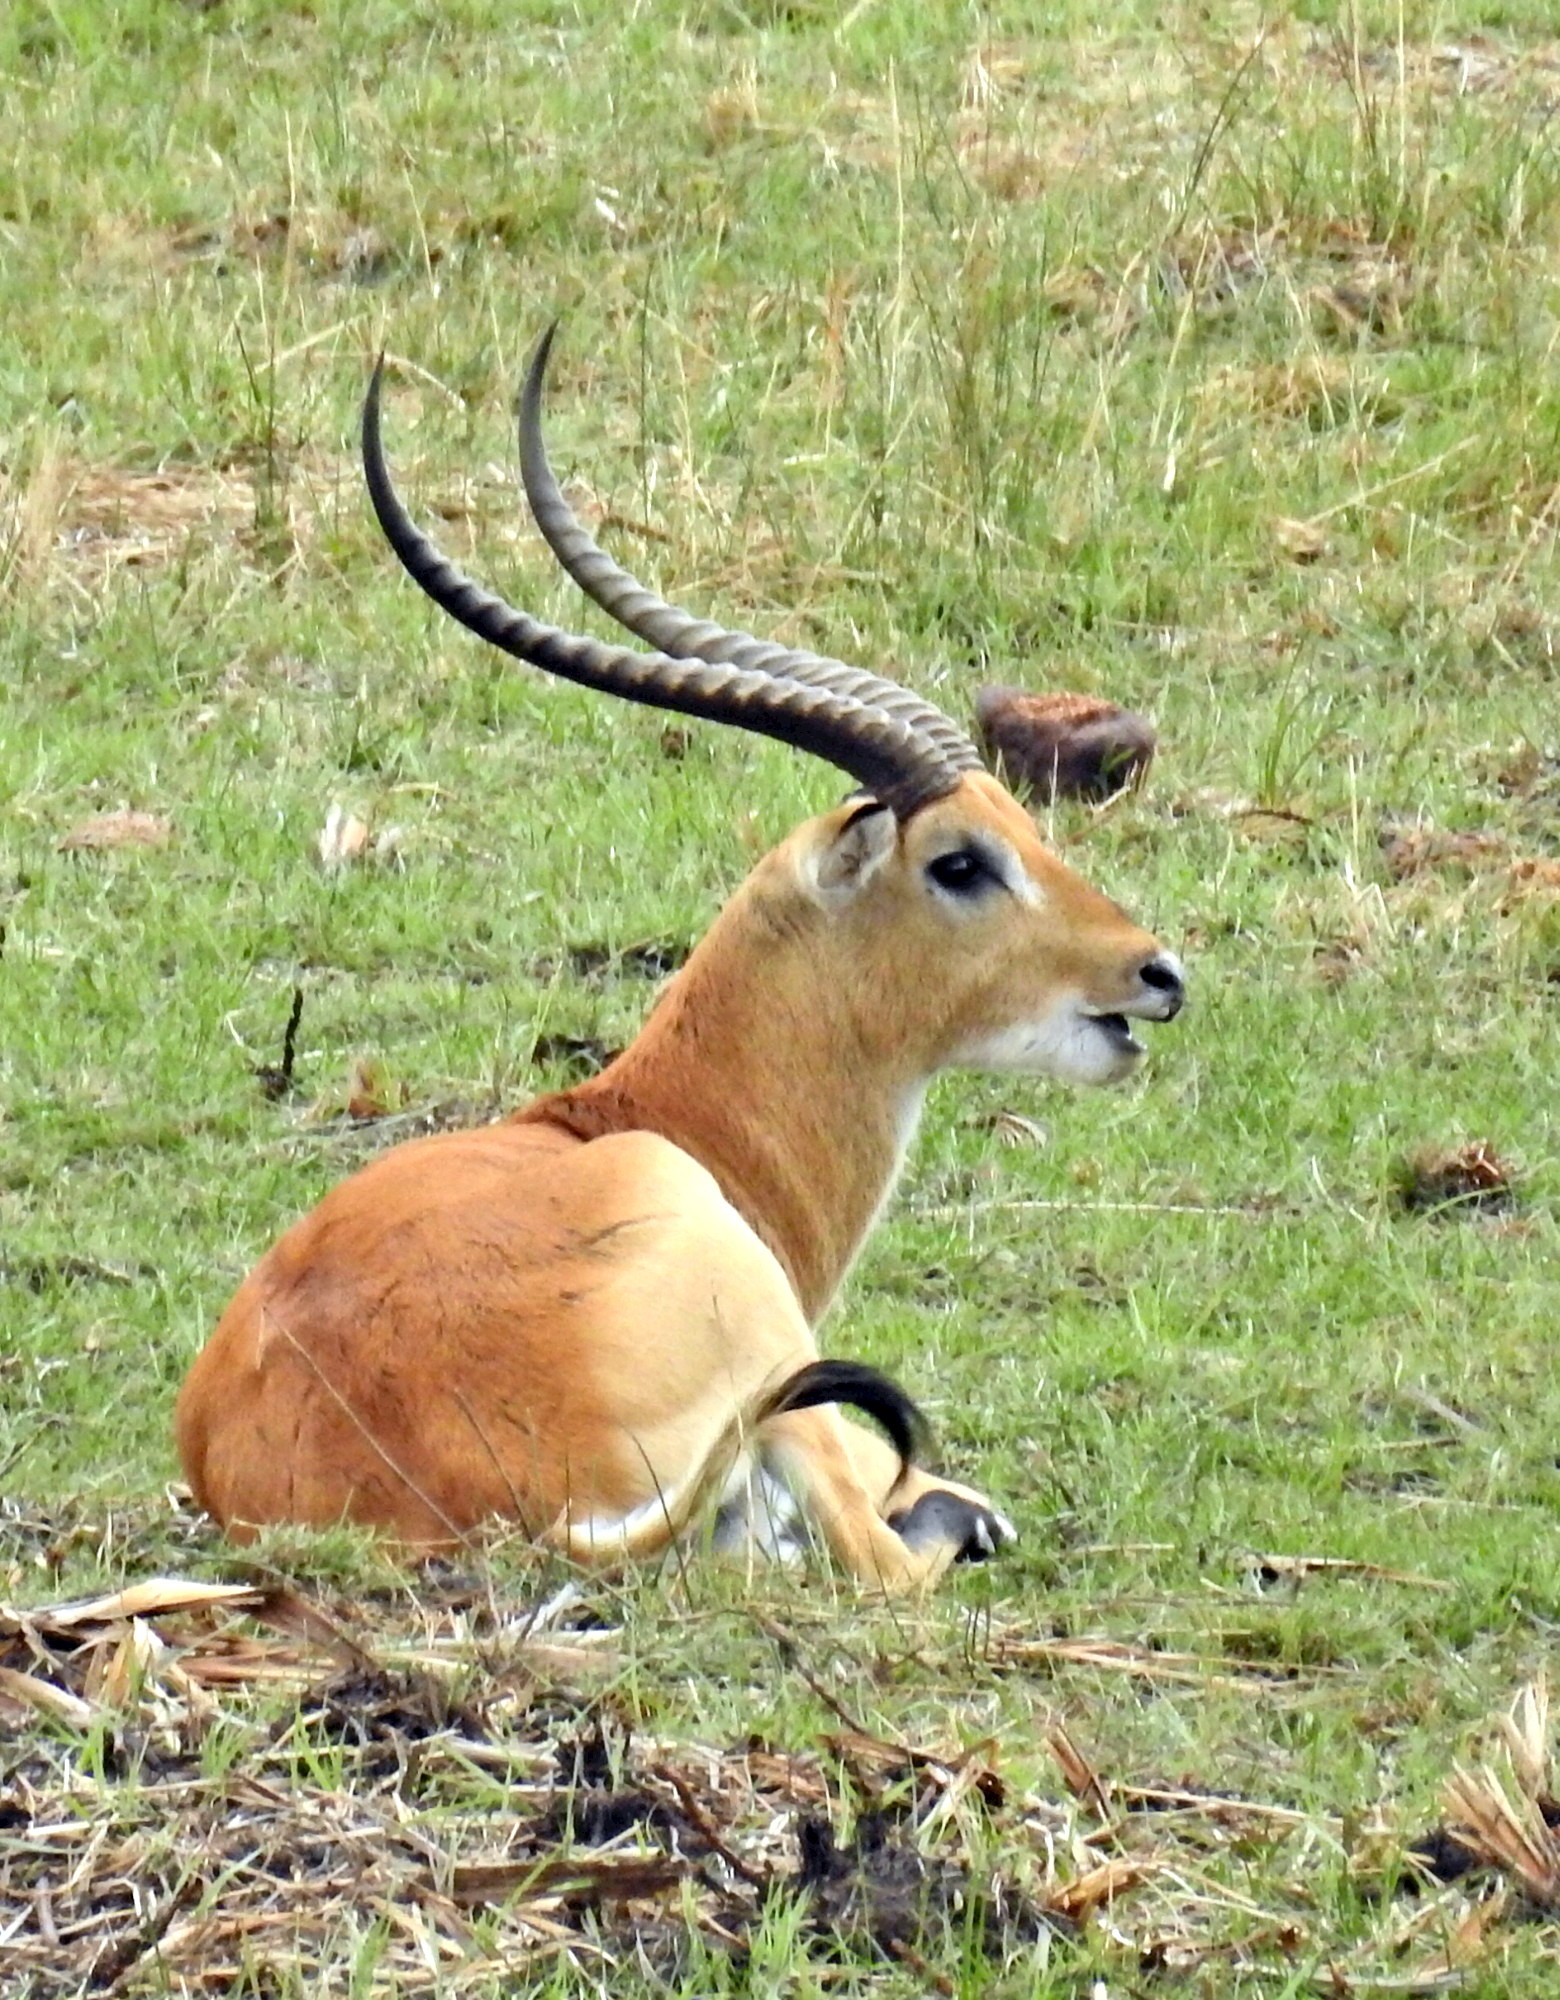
pixel 1166 353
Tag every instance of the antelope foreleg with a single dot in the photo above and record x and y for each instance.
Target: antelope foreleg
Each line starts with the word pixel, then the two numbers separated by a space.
pixel 900 1490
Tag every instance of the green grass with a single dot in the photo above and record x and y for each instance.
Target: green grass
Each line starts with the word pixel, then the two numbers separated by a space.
pixel 1209 370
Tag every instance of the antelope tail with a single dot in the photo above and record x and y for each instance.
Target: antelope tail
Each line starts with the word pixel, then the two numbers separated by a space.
pixel 657 1522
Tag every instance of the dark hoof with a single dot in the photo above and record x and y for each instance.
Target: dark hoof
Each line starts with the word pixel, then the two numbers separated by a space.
pixel 977 1533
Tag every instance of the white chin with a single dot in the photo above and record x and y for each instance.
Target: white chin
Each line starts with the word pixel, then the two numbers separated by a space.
pixel 1071 1046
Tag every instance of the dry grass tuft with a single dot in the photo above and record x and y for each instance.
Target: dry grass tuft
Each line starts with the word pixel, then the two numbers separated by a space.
pixel 1313 385
pixel 1420 850
pixel 124 827
pixel 167 1819
pixel 1510 1821
pixel 1471 1176
pixel 212 1782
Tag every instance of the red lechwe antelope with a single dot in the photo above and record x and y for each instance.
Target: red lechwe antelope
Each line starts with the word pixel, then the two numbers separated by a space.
pixel 596 1318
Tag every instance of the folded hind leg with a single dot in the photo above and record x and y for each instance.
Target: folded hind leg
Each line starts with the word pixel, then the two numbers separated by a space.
pixel 821 1460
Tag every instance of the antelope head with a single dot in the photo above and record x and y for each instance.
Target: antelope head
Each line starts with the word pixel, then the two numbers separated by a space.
pixel 970 942
pixel 927 907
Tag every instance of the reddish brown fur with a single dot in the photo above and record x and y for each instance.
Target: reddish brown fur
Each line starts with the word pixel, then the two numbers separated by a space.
pixel 1063 746
pixel 568 1318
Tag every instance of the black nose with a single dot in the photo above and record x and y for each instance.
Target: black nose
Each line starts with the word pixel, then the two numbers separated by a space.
pixel 1164 975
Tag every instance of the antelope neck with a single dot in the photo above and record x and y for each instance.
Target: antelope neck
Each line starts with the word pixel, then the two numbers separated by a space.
pixel 754 1062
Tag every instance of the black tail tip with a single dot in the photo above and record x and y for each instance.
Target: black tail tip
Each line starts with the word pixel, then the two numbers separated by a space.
pixel 860 1388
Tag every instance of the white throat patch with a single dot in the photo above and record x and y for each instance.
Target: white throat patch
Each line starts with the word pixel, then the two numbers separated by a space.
pixel 1067 1043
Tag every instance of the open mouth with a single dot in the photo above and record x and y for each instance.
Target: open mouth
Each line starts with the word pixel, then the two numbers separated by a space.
pixel 1115 1029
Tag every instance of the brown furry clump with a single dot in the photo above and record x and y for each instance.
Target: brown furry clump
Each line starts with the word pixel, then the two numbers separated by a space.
pixel 1063 746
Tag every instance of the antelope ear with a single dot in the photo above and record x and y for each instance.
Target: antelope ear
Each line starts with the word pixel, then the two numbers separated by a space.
pixel 848 854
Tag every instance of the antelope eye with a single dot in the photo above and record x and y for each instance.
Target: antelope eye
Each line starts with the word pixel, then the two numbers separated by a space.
pixel 961 871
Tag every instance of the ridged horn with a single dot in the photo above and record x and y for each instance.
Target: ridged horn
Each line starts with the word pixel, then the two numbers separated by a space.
pixel 882 752
pixel 670 630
